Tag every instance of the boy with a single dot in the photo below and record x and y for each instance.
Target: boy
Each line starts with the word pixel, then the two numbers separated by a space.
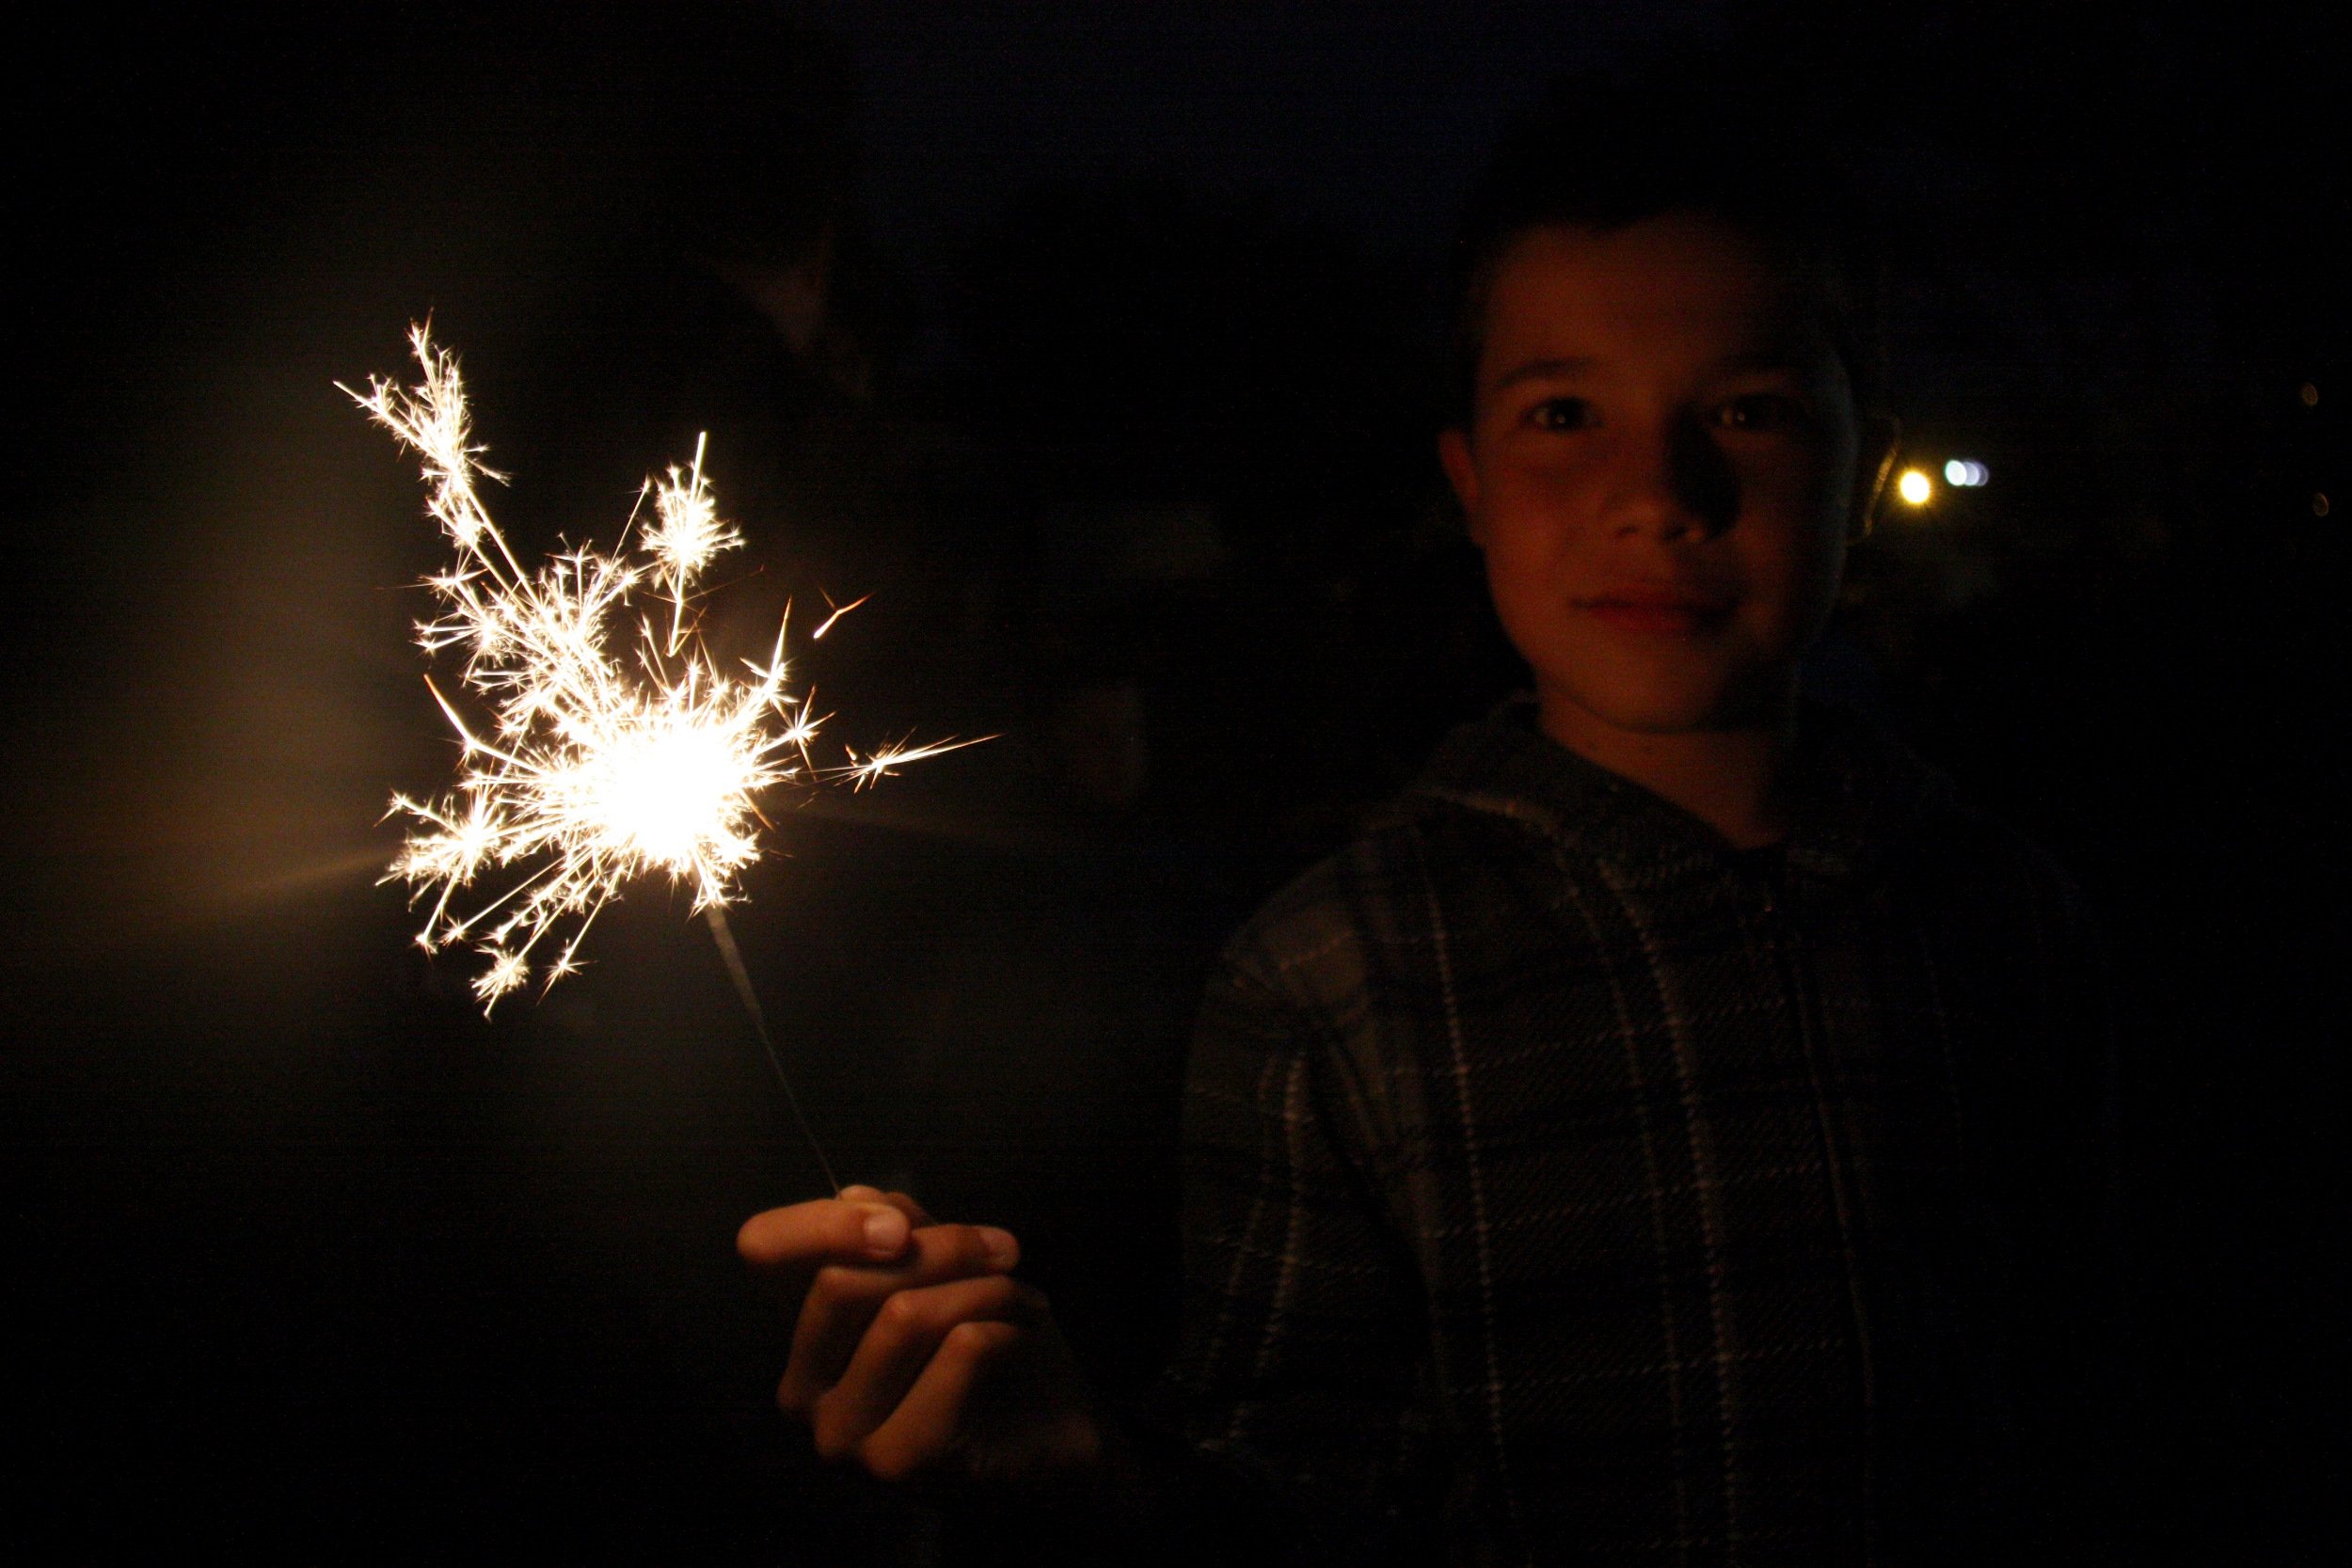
pixel 1663 1137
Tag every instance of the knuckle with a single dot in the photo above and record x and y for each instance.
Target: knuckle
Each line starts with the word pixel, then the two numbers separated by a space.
pixel 975 1341
pixel 901 1314
pixel 968 1340
pixel 833 1282
pixel 891 1461
pixel 831 1434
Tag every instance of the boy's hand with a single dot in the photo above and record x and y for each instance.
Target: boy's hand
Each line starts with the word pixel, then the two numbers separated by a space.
pixel 917 1354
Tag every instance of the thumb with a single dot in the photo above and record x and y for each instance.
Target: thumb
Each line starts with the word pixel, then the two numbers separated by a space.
pixel 915 1213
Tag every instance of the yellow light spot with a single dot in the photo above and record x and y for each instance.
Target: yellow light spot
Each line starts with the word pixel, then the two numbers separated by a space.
pixel 1915 486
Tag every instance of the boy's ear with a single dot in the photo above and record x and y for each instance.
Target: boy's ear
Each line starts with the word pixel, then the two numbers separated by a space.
pixel 1882 442
pixel 1454 455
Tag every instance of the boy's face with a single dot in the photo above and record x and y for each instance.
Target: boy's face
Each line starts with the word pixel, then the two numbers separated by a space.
pixel 1663 467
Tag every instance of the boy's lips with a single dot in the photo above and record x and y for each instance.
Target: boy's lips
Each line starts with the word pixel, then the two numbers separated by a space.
pixel 1650 609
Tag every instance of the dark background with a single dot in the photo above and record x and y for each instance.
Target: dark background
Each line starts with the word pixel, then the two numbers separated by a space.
pixel 1102 359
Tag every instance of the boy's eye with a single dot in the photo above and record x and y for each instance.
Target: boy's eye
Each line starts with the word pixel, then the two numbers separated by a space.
pixel 1564 413
pixel 1761 411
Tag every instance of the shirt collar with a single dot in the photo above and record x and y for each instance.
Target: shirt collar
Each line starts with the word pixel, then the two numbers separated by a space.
pixel 1860 795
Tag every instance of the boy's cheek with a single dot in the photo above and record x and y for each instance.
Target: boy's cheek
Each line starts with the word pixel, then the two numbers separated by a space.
pixel 1561 491
pixel 1779 626
pixel 1532 521
pixel 1531 577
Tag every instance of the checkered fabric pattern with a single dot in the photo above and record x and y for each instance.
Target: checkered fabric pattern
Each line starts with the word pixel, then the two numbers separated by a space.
pixel 1565 1187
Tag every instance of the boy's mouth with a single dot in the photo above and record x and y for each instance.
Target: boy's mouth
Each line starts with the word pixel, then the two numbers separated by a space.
pixel 1657 610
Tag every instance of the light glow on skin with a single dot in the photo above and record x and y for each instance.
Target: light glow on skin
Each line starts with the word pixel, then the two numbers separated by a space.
pixel 1664 467
pixel 1660 415
pixel 598 760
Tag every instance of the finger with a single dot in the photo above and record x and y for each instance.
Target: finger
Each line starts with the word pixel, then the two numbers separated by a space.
pixel 842 1299
pixel 930 1423
pixel 907 1331
pixel 901 1201
pixel 911 1209
pixel 821 1231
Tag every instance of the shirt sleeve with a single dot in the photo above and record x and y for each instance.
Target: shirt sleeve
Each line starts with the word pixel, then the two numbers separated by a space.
pixel 1302 1362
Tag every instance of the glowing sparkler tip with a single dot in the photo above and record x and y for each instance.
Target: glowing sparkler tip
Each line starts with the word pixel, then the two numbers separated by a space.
pixel 600 769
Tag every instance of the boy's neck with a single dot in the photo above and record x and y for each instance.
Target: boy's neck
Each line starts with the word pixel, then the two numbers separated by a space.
pixel 1733 780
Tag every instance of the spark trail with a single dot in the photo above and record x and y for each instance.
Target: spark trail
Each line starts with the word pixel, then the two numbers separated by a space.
pixel 608 743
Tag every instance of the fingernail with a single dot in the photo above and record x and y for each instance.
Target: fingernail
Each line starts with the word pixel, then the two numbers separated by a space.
pixel 1002 1249
pixel 860 1192
pixel 885 1232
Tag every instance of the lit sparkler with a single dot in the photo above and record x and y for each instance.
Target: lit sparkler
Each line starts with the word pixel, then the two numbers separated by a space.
pixel 592 765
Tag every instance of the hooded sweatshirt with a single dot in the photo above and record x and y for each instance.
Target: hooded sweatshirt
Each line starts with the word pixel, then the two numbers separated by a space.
pixel 1563 1185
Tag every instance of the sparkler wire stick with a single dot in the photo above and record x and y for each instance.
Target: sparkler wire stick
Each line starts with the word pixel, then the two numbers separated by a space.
pixel 716 917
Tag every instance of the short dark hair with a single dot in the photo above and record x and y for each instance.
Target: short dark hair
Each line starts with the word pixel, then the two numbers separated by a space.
pixel 1712 130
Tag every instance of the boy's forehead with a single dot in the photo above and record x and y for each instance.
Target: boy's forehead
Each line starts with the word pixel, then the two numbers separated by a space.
pixel 1678 286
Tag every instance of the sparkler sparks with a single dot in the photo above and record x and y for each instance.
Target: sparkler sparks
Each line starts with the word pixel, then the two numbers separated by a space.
pixel 594 767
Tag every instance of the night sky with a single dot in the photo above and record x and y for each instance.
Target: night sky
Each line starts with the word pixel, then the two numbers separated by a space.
pixel 1100 351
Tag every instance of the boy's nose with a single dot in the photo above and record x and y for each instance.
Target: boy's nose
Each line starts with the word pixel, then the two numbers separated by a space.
pixel 1675 481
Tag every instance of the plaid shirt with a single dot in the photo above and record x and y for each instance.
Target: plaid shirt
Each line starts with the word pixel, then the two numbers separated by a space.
pixel 1563 1186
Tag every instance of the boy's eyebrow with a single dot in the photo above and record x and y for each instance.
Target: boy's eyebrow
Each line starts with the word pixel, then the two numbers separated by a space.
pixel 1766 360
pixel 1787 359
pixel 1542 370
